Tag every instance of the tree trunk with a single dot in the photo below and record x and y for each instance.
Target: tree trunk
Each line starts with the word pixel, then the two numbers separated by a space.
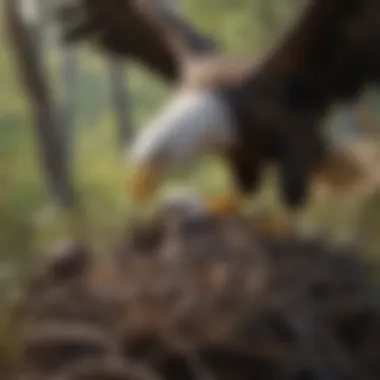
pixel 33 77
pixel 69 65
pixel 120 101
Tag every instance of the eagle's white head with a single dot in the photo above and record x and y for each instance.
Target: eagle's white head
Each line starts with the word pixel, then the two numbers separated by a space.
pixel 194 123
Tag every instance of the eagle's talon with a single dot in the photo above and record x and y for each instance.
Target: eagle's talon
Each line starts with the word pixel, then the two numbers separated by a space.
pixel 272 224
pixel 225 204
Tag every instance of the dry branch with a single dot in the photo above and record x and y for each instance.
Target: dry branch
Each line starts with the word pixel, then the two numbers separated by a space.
pixel 207 298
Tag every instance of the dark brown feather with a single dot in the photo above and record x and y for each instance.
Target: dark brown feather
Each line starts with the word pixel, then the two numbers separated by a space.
pixel 330 55
pixel 143 30
pixel 333 48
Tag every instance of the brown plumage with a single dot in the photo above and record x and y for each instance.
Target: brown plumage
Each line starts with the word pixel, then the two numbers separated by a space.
pixel 329 56
pixel 148 31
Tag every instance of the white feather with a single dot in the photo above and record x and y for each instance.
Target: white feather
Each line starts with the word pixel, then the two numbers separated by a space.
pixel 194 123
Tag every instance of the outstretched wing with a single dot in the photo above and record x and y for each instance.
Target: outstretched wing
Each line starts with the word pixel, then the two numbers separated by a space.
pixel 144 30
pixel 333 49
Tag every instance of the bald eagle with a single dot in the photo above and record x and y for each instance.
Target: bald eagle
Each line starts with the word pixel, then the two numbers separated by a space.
pixel 251 113
pixel 255 113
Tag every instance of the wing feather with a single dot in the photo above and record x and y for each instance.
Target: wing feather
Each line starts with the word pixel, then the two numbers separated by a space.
pixel 333 48
pixel 143 30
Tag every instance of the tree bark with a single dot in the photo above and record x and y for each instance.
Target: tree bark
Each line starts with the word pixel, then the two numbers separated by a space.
pixel 120 101
pixel 69 65
pixel 33 78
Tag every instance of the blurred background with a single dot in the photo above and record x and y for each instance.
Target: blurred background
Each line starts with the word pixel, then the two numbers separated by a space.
pixel 99 104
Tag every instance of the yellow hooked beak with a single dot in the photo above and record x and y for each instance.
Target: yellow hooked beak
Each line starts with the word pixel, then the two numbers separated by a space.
pixel 143 183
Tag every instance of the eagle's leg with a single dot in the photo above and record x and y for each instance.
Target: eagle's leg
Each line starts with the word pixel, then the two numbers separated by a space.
pixel 247 175
pixel 296 169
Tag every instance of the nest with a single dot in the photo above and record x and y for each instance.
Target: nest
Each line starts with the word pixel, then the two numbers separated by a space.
pixel 195 297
